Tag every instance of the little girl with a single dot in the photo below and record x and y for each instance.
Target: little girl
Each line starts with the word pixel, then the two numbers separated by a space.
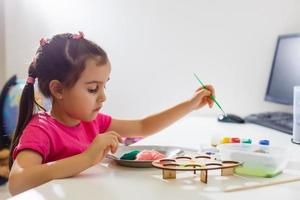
pixel 74 136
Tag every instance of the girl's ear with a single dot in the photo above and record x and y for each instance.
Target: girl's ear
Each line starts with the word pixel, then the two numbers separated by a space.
pixel 56 89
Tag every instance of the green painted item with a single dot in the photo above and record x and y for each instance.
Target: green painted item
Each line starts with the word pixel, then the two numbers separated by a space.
pixel 260 172
pixel 130 156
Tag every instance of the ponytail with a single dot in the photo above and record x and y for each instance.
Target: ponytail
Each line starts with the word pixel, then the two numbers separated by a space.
pixel 26 110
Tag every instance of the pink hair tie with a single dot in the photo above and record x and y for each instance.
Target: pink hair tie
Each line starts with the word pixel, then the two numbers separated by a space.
pixel 44 41
pixel 78 36
pixel 30 80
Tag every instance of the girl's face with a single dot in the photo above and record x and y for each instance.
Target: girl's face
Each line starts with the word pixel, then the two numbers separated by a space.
pixel 84 100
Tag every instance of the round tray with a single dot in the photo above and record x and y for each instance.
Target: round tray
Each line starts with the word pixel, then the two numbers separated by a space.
pixel 169 151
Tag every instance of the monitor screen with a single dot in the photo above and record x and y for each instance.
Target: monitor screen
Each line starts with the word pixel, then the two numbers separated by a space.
pixel 285 73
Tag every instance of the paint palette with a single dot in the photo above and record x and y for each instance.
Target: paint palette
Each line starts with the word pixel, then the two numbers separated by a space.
pixel 202 163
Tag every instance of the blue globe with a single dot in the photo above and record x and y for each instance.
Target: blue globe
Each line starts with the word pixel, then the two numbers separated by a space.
pixel 11 105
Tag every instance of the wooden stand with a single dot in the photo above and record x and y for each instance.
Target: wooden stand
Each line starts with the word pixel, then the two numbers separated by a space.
pixel 169 174
pixel 199 163
pixel 203 176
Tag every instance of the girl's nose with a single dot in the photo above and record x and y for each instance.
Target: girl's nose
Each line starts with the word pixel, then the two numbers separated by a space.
pixel 101 97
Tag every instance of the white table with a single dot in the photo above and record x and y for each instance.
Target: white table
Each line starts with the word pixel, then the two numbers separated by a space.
pixel 109 181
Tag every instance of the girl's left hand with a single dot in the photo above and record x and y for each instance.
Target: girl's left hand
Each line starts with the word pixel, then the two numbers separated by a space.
pixel 202 97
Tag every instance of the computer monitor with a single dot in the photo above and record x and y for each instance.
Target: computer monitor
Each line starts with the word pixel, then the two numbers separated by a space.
pixel 285 72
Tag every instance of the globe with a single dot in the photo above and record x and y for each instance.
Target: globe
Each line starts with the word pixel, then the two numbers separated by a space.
pixel 11 105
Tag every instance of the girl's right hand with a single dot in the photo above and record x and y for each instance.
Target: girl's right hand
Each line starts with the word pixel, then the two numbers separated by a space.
pixel 101 145
pixel 202 97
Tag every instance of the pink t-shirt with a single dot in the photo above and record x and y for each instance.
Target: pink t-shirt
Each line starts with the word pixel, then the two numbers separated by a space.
pixel 54 141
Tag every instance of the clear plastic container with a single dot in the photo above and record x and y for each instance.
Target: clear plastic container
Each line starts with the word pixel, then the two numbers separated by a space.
pixel 255 161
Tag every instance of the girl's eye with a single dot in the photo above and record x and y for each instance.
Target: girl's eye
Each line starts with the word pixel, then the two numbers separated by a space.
pixel 93 91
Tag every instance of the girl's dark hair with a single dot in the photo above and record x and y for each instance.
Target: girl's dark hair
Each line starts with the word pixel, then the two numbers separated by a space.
pixel 62 58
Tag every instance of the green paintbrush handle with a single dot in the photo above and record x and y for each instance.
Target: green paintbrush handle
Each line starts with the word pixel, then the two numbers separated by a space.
pixel 211 96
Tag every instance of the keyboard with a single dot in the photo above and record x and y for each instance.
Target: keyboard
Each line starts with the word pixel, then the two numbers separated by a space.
pixel 280 121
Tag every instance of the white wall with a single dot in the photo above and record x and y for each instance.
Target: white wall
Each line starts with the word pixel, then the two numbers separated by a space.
pixel 156 45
